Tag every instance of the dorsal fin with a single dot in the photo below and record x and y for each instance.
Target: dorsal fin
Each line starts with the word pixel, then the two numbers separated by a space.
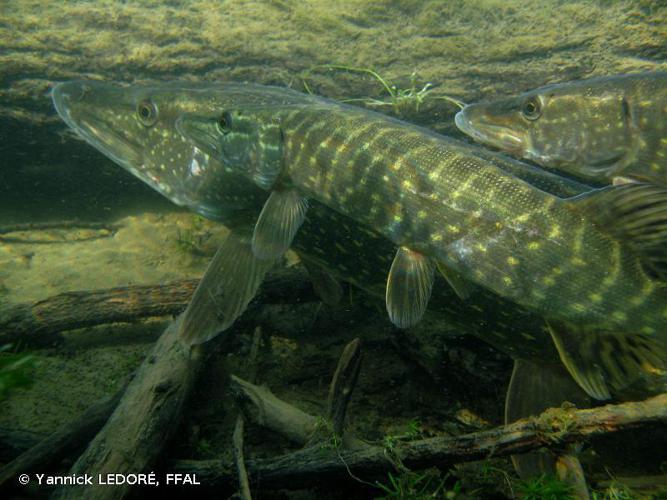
pixel 635 213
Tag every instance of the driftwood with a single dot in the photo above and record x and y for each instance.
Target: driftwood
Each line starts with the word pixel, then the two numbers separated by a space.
pixel 144 420
pixel 342 385
pixel 263 408
pixel 62 442
pixel 105 231
pixel 553 428
pixel 237 437
pixel 72 310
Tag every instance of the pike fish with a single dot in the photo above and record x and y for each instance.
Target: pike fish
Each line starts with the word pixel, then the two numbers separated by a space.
pixel 594 265
pixel 599 129
pixel 138 127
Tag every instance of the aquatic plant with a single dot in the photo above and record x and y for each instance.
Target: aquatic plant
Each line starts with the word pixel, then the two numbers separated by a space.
pixel 191 239
pixel 544 488
pixel 418 485
pixel 15 370
pixel 401 100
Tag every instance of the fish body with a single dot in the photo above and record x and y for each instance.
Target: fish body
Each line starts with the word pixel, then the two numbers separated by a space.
pixel 139 128
pixel 439 198
pixel 601 128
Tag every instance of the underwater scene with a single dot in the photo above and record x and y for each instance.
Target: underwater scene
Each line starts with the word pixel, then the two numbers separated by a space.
pixel 285 249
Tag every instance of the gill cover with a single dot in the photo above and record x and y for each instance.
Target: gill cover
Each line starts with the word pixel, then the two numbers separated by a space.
pixel 243 141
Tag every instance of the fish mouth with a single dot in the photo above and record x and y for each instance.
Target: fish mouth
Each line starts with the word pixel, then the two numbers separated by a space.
pixel 69 100
pixel 475 124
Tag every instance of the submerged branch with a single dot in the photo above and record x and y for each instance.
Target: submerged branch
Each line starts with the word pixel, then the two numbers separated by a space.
pixel 80 309
pixel 553 428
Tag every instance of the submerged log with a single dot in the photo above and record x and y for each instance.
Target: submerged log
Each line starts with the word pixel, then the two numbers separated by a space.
pixel 552 429
pixel 79 309
pixel 144 420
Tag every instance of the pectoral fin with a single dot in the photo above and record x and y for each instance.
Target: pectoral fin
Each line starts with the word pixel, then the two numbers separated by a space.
pixel 409 287
pixel 228 285
pixel 281 218
pixel 461 286
pixel 533 388
pixel 602 361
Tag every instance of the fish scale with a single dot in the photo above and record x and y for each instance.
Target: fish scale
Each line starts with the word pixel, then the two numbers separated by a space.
pixel 518 241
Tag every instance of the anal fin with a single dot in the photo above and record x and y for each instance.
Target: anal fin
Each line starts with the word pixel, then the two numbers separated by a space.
pixel 604 361
pixel 409 287
pixel 461 286
pixel 227 287
pixel 281 217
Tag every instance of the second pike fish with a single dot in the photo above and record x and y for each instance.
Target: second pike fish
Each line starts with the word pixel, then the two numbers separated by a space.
pixel 602 128
pixel 594 266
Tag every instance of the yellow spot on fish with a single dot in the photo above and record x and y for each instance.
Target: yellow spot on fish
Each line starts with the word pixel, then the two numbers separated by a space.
pixel 578 307
pixel 533 245
pixel 434 175
pixel 595 297
pixel 548 280
pixel 512 261
pixel 555 231
pixel 397 218
pixel 407 185
pixel 480 247
pixel 375 197
pixel 648 330
pixel 619 316
pixel 507 280
pixel 436 237
pixel 576 261
pixel 655 167
pixel 421 214
pixel 453 229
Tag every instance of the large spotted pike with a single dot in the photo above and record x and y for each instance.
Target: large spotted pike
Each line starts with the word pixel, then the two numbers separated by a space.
pixel 601 128
pixel 593 266
pixel 136 126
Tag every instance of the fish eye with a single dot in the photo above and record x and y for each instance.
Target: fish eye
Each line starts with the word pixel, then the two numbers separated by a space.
pixel 147 112
pixel 532 109
pixel 224 123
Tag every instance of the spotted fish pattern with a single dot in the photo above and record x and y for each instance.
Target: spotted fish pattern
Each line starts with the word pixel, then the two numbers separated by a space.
pixel 600 128
pixel 137 126
pixel 593 266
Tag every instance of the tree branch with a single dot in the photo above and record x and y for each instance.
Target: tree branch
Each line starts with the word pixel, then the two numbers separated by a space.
pixel 553 428
pixel 72 310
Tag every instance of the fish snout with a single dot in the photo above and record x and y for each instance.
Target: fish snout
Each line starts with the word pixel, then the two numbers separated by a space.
pixel 486 129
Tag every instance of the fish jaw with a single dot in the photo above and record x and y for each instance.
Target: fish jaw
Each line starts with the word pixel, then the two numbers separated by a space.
pixel 113 143
pixel 106 115
pixel 474 122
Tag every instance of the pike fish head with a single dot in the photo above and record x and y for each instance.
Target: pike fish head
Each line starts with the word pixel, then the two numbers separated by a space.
pixel 247 141
pixel 135 126
pixel 570 127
